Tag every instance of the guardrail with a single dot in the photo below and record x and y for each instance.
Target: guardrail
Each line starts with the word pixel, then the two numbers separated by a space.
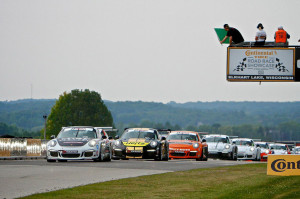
pixel 22 147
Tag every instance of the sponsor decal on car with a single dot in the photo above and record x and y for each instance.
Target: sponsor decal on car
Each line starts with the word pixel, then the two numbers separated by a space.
pixel 136 142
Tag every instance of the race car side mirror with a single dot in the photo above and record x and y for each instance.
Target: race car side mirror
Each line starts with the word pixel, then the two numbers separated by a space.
pixel 117 137
pixel 104 137
pixel 163 138
pixel 203 140
pixel 52 137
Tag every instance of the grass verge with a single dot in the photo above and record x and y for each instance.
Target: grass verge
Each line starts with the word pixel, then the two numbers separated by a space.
pixel 242 181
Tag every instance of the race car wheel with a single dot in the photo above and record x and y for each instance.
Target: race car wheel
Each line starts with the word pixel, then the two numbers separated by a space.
pixel 166 157
pixel 108 159
pixel 100 158
pixel 160 156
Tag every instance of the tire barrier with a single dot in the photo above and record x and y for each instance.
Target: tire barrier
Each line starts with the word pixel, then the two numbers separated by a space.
pixel 22 147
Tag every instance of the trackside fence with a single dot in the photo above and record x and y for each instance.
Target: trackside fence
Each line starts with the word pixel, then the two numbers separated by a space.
pixel 22 147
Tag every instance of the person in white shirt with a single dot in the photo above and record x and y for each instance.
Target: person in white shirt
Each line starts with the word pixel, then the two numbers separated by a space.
pixel 260 36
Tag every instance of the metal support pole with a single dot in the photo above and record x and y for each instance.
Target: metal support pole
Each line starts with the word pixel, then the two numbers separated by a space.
pixel 45 118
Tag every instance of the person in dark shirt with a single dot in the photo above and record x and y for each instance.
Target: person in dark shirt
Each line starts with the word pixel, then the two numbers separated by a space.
pixel 234 35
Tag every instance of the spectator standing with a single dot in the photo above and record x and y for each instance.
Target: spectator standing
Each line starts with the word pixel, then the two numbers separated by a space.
pixel 260 36
pixel 281 36
pixel 234 35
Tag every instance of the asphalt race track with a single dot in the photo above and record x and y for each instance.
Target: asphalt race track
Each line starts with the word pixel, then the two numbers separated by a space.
pixel 25 177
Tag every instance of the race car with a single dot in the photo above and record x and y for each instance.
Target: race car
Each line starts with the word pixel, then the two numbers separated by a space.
pixel 296 150
pixel 187 145
pixel 247 150
pixel 265 150
pixel 279 149
pixel 143 143
pixel 79 143
pixel 220 146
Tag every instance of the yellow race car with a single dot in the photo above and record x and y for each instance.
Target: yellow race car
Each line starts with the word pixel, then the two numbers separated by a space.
pixel 143 143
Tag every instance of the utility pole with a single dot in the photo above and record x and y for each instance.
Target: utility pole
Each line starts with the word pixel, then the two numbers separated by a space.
pixel 45 118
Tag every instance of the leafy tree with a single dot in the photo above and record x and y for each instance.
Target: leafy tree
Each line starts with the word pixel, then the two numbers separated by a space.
pixel 78 108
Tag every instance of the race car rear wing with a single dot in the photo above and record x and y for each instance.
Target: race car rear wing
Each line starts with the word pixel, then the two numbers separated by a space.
pixel 256 140
pixel 108 129
pixel 164 130
pixel 111 132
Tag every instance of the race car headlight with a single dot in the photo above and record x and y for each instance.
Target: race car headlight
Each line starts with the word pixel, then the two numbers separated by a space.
pixel 153 144
pixel 92 143
pixel 117 142
pixel 227 146
pixel 267 151
pixel 196 145
pixel 52 143
pixel 252 149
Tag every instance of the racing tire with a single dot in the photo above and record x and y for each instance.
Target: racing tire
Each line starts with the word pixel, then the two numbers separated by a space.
pixel 206 154
pixel 49 160
pixel 160 156
pixel 100 158
pixel 108 159
pixel 166 157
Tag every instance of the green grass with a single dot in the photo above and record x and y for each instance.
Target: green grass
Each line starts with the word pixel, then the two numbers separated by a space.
pixel 243 181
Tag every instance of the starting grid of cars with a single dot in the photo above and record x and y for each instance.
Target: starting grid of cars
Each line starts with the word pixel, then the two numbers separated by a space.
pixel 93 143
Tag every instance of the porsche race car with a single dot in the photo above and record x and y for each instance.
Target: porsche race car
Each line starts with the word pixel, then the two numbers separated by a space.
pixel 247 150
pixel 79 143
pixel 280 149
pixel 221 146
pixel 187 145
pixel 265 150
pixel 143 143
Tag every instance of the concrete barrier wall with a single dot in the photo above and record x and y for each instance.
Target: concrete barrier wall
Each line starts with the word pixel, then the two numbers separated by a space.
pixel 22 147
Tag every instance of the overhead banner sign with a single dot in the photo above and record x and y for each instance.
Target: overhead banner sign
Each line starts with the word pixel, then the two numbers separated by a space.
pixel 260 64
pixel 283 165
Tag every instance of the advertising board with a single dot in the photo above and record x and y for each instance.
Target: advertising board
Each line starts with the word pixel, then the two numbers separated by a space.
pixel 260 64
pixel 283 165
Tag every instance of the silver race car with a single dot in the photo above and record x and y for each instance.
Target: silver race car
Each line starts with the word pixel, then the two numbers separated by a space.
pixel 247 150
pixel 280 149
pixel 220 146
pixel 79 143
pixel 296 150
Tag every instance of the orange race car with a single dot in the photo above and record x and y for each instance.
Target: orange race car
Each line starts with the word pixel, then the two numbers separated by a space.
pixel 187 145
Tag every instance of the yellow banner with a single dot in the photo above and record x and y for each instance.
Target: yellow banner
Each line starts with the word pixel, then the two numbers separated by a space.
pixel 283 165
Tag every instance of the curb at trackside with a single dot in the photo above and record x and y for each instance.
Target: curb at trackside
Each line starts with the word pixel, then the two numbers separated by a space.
pixel 22 157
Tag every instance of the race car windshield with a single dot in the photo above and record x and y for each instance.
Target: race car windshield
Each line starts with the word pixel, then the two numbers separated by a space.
pixel 244 143
pixel 216 139
pixel 278 147
pixel 139 134
pixel 77 133
pixel 181 136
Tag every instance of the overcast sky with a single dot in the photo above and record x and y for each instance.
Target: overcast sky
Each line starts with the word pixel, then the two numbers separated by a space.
pixel 149 50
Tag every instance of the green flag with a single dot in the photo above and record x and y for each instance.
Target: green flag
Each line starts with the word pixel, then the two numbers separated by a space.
pixel 221 33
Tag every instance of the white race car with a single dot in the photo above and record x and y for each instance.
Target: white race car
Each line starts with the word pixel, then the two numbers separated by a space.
pixel 279 149
pixel 247 150
pixel 79 143
pixel 220 146
pixel 296 150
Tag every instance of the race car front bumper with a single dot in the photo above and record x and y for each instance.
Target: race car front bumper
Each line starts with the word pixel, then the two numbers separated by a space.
pixel 246 156
pixel 72 154
pixel 135 152
pixel 219 154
